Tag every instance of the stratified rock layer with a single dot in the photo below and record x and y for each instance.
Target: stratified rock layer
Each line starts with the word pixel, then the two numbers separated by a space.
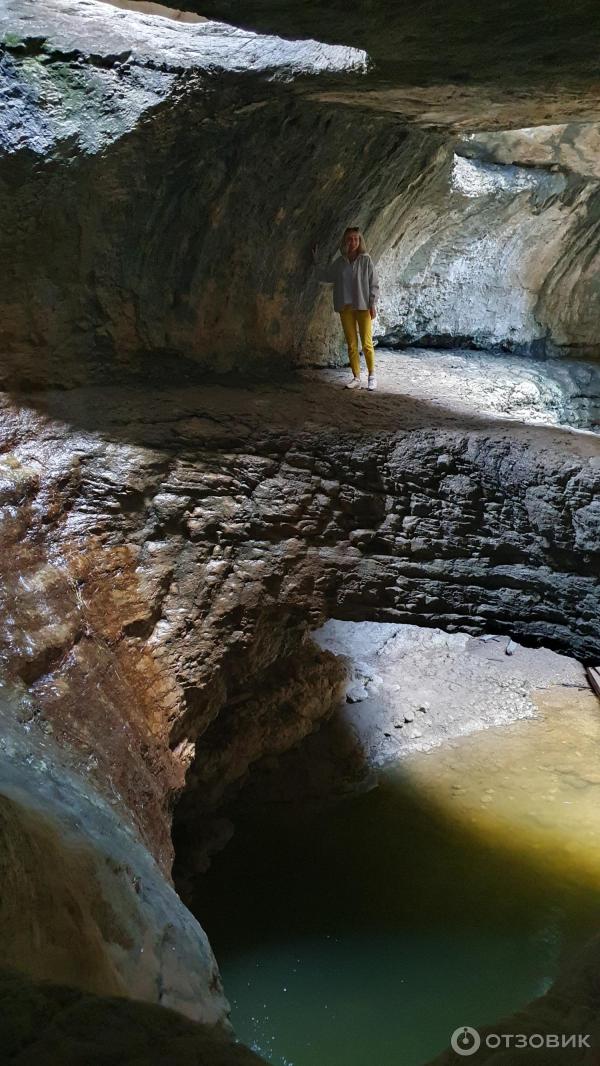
pixel 439 64
pixel 178 544
pixel 166 551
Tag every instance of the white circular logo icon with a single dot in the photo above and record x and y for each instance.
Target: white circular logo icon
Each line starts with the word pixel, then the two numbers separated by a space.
pixel 465 1041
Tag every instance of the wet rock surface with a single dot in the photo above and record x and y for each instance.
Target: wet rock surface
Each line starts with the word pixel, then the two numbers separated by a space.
pixel 167 551
pixel 85 903
pixel 199 532
pixel 168 543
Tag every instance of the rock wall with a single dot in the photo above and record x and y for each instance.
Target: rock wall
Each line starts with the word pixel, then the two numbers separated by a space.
pixel 439 65
pixel 85 903
pixel 141 148
pixel 147 211
pixel 91 762
pixel 166 552
pixel 194 536
pixel 499 247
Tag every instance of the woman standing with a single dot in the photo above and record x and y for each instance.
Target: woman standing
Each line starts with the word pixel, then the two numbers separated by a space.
pixel 355 292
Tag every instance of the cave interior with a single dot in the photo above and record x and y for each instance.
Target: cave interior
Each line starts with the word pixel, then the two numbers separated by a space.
pixel 234 591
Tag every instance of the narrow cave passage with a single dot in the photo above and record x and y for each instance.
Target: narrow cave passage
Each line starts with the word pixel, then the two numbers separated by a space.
pixel 355 924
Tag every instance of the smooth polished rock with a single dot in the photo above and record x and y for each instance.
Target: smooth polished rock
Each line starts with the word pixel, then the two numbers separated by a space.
pixel 84 901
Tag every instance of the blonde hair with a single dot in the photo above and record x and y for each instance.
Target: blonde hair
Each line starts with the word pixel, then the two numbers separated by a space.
pixel 362 248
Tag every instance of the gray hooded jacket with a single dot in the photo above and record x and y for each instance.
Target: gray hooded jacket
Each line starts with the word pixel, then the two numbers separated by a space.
pixel 365 284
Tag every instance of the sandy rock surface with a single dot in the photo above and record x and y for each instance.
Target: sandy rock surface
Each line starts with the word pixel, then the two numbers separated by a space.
pixel 411 689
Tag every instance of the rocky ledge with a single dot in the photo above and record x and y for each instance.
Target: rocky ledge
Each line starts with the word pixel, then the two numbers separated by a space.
pixel 166 554
pixel 182 541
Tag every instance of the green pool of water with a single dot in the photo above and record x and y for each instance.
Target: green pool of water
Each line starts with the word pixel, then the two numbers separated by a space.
pixel 367 932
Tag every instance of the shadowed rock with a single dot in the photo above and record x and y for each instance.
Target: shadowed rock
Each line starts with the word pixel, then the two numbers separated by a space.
pixel 60 1026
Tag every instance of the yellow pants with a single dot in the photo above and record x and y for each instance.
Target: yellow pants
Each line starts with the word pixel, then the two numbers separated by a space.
pixel 350 320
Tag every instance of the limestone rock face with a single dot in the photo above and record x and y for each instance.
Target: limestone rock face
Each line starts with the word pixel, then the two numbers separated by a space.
pixel 147 209
pixel 86 848
pixel 142 147
pixel 498 247
pixel 84 901
pixel 571 148
pixel 100 712
pixel 440 64
pixel 180 543
pixel 167 550
pixel 188 247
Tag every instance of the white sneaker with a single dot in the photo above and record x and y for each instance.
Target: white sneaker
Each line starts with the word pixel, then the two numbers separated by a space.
pixel 372 383
pixel 354 384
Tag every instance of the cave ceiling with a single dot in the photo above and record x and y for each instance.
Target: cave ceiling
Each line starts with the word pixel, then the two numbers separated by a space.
pixel 448 62
pixel 439 63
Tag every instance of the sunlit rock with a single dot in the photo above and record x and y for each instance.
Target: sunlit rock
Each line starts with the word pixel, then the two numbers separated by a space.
pixel 499 248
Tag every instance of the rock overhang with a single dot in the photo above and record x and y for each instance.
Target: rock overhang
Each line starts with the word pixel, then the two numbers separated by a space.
pixel 435 66
pixel 438 63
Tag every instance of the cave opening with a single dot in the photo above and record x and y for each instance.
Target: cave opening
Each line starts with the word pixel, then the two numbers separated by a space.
pixel 430 853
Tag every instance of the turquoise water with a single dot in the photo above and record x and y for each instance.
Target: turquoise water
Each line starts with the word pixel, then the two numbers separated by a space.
pixel 366 933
